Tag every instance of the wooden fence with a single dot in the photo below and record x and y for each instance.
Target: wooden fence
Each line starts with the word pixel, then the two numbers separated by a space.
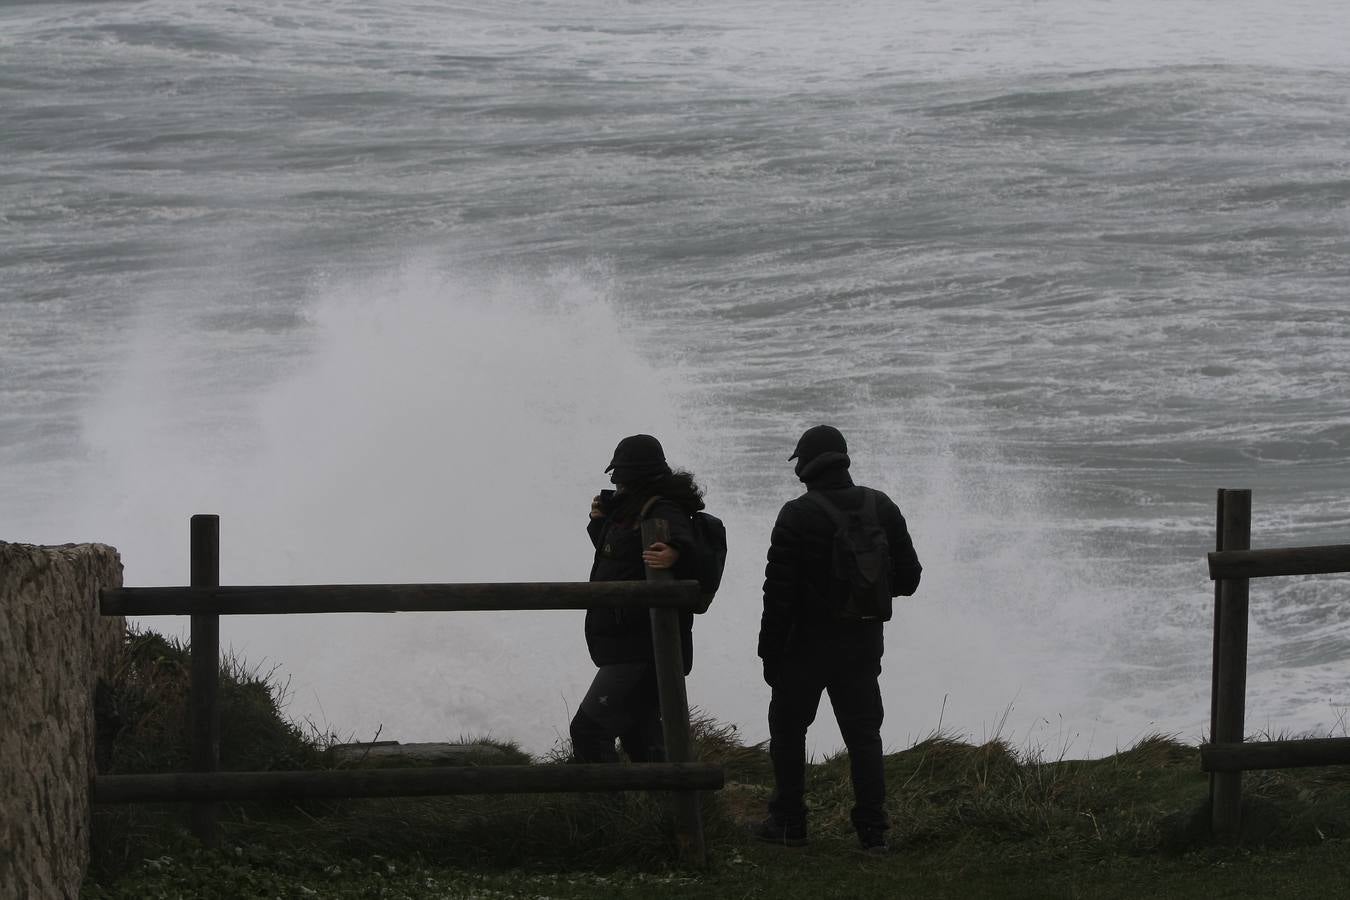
pixel 1231 567
pixel 205 600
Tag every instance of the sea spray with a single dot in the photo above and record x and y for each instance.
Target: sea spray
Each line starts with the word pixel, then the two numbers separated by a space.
pixel 436 427
pixel 441 424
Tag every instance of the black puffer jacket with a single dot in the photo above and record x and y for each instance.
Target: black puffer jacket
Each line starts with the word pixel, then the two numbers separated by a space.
pixel 624 635
pixel 797 578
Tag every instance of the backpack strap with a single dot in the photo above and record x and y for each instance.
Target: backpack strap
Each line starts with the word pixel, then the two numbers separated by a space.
pixel 818 499
pixel 837 515
pixel 647 507
pixel 840 520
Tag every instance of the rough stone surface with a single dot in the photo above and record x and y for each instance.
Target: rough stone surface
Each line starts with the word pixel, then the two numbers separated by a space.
pixel 54 649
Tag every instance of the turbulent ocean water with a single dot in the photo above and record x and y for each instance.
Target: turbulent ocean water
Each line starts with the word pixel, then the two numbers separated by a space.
pixel 383 283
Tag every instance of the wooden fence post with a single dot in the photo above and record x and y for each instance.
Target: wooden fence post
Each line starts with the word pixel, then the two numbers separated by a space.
pixel 205 650
pixel 1218 625
pixel 1230 662
pixel 669 661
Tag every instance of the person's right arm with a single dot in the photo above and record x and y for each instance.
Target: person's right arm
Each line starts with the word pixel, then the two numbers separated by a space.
pixel 780 592
pixel 596 526
pixel 905 567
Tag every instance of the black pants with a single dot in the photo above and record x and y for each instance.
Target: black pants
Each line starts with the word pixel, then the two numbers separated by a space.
pixel 622 703
pixel 843 663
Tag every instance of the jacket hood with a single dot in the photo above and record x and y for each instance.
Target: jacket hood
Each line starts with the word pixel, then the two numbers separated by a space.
pixel 817 466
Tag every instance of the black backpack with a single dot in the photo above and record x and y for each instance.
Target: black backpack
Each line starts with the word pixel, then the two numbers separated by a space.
pixel 860 559
pixel 711 537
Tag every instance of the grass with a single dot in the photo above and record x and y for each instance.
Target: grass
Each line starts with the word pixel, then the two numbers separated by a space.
pixel 970 820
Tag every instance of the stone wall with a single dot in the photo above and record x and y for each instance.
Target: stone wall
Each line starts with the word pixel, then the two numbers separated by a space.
pixel 54 649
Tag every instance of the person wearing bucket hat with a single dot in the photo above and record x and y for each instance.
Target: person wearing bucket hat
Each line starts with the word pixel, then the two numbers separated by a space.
pixel 622 702
pixel 814 638
pixel 637 458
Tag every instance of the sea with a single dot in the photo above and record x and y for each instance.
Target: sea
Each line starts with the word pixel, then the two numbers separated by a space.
pixel 382 284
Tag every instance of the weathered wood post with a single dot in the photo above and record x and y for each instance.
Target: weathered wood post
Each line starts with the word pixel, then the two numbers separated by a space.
pixel 1230 662
pixel 205 650
pixel 1218 624
pixel 669 660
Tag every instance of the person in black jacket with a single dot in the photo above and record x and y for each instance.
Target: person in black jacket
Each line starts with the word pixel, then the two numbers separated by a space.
pixel 622 701
pixel 809 647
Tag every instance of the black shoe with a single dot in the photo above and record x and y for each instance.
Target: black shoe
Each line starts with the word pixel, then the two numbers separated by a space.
pixel 873 841
pixel 773 831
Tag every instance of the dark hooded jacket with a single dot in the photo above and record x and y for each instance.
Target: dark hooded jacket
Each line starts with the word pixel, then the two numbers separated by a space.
pixel 797 579
pixel 624 635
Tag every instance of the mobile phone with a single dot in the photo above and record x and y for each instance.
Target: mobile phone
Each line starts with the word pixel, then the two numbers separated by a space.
pixel 606 499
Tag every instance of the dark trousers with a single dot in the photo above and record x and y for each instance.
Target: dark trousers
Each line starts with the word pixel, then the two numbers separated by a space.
pixel 844 664
pixel 622 703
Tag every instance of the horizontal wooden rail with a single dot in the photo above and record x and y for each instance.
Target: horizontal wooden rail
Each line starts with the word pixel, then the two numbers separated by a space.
pixel 418 782
pixel 1331 560
pixel 384 598
pixel 1238 757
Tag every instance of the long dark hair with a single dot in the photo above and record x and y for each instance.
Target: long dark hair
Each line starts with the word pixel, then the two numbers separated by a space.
pixel 678 486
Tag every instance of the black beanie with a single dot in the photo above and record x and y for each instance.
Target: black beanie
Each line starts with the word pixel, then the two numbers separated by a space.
pixel 818 440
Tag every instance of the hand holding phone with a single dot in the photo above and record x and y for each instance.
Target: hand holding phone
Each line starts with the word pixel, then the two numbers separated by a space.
pixel 602 503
